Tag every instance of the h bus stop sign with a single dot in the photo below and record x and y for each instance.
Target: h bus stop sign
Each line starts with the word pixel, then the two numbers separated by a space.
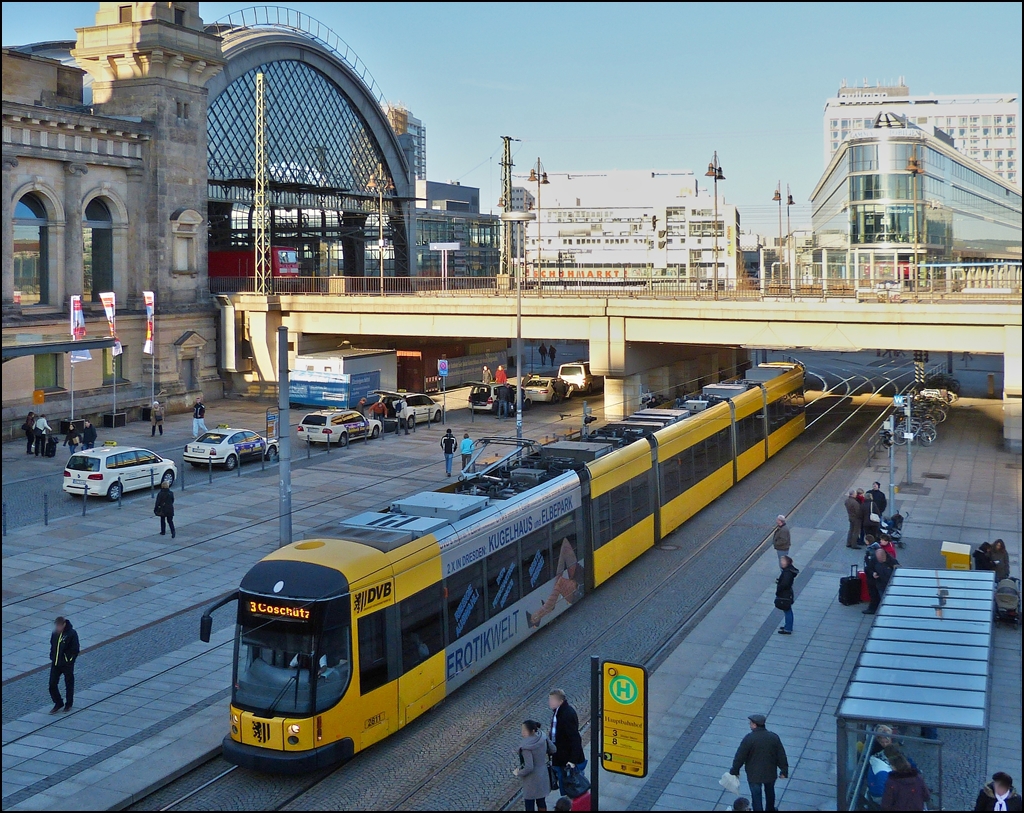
pixel 624 719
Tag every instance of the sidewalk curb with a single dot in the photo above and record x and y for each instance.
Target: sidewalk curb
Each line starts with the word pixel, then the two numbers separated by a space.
pixel 158 784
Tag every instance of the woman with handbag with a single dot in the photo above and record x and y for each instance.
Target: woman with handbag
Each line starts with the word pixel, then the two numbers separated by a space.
pixel 164 508
pixel 532 770
pixel 784 595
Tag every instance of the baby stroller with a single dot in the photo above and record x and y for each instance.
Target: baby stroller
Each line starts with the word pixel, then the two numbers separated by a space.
pixel 1008 602
pixel 894 528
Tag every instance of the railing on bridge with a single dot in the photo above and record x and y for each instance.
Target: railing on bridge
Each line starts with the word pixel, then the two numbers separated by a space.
pixel 959 282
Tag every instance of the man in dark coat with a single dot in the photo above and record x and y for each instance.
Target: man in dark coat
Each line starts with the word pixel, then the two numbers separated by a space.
pixel 88 435
pixel 879 571
pixel 565 735
pixel 64 648
pixel 999 794
pixel 867 525
pixel 853 515
pixel 877 496
pixel 762 753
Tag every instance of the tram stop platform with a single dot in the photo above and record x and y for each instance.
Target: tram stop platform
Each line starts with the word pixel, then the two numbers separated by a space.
pixel 733 663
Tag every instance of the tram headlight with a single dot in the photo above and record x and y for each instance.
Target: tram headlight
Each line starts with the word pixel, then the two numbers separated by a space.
pixel 234 718
pixel 293 728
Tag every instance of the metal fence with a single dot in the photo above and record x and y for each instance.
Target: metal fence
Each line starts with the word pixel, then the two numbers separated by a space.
pixel 979 282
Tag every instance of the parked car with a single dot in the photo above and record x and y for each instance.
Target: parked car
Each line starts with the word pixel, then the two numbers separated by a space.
pixel 422 408
pixel 112 470
pixel 483 398
pixel 337 426
pixel 577 375
pixel 229 447
pixel 546 390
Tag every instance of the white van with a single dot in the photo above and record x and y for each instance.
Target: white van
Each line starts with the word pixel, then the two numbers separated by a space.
pixel 112 470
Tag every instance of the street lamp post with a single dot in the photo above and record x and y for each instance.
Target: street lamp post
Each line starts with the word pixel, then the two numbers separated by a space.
pixel 381 184
pixel 523 218
pixel 789 250
pixel 715 172
pixel 777 198
pixel 915 169
pixel 538 176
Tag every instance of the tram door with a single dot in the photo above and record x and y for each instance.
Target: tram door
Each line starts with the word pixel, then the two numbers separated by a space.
pixel 378 685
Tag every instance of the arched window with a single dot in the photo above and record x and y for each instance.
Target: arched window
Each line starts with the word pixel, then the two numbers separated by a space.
pixel 31 264
pixel 98 257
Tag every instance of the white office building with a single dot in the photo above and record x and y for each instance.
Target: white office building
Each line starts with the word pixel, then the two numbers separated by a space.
pixel 982 126
pixel 632 224
pixel 412 135
pixel 522 200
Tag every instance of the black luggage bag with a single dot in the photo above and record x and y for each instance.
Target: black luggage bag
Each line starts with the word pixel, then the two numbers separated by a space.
pixel 51 446
pixel 849 588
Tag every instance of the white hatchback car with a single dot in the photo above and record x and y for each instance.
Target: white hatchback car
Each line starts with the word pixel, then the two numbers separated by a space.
pixel 229 447
pixel 112 470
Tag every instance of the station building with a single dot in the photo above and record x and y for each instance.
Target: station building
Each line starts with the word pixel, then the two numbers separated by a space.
pixel 864 206
pixel 128 154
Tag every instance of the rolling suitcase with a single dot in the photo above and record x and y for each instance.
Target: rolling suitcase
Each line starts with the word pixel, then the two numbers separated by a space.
pixel 51 446
pixel 865 594
pixel 849 588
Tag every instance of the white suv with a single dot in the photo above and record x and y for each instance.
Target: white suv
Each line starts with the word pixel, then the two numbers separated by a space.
pixel 112 470
pixel 577 375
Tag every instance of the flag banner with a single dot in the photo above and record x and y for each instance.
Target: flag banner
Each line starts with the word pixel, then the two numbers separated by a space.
pixel 150 301
pixel 77 319
pixel 80 355
pixel 110 309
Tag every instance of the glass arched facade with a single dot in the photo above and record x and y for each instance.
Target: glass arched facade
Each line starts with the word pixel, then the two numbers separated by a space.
pixel 98 251
pixel 864 209
pixel 31 263
pixel 321 154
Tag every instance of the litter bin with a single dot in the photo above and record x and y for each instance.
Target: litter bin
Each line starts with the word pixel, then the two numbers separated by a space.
pixel 957 556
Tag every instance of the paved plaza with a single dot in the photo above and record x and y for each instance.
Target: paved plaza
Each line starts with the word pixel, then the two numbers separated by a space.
pixel 151 698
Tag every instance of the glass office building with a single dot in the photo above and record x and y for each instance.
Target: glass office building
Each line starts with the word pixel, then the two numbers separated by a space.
pixel 864 206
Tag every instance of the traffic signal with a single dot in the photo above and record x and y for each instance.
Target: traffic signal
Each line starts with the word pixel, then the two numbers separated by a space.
pixel 921 356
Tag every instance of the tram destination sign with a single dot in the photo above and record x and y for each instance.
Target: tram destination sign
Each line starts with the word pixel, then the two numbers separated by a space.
pixel 624 719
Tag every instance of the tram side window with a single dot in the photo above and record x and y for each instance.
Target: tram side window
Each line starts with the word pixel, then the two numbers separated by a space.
pixel 640 496
pixel 622 515
pixel 670 478
pixel 535 558
pixel 701 468
pixel 422 631
pixel 465 600
pixel 502 579
pixel 724 448
pixel 373 652
pixel 602 519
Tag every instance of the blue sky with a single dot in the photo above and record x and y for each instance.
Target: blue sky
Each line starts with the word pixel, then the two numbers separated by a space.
pixel 635 86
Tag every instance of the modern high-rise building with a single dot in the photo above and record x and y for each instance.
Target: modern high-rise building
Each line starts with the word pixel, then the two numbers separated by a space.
pixel 982 126
pixel 450 213
pixel 632 224
pixel 412 134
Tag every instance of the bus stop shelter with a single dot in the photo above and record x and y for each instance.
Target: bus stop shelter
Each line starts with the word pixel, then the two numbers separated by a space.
pixel 921 685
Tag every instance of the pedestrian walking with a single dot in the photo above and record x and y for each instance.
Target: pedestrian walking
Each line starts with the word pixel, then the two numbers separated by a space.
pixel 156 419
pixel 879 572
pixel 29 428
pixel 199 418
pixel 72 439
pixel 905 788
pixel 533 761
pixel 762 753
pixel 784 595
pixel 88 435
pixel 487 376
pixel 501 377
pixel 64 648
pixel 466 450
pixel 543 355
pixel 400 413
pixel 565 736
pixel 999 560
pixel 448 444
pixel 999 794
pixel 551 354
pixel 42 432
pixel 853 515
pixel 877 496
pixel 781 540
pixel 164 508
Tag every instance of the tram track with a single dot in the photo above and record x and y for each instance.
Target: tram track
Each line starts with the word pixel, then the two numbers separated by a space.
pixel 297 792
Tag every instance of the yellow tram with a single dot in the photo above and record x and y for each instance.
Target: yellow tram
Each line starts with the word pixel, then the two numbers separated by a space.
pixel 343 639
